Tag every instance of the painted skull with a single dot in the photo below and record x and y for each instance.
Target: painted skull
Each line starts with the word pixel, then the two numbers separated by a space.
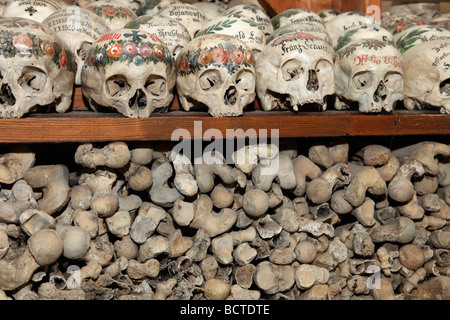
pixel 78 28
pixel 252 13
pixel 296 15
pixel 131 71
pixel 151 7
pixel 302 27
pixel 343 22
pixel 328 14
pixel 369 72
pixel 427 76
pixel 188 15
pixel 243 29
pixel 171 32
pixel 294 70
pixel 411 37
pixel 399 22
pixel 364 32
pixel 211 10
pixel 217 72
pixel 114 13
pixel 36 10
pixel 36 69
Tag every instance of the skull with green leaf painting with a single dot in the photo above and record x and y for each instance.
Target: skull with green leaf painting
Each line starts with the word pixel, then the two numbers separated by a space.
pixel 369 75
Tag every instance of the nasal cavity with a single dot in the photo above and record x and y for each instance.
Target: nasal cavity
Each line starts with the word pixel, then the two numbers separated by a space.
pixel 230 97
pixel 138 101
pixel 381 92
pixel 313 82
pixel 6 95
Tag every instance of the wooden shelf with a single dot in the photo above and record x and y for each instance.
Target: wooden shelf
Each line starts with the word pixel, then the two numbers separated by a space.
pixel 83 125
pixel 88 126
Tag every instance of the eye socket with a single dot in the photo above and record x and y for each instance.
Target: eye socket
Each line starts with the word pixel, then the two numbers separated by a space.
pixel 117 85
pixel 246 80
pixel 156 85
pixel 323 67
pixel 210 80
pixel 291 70
pixel 444 87
pixel 363 80
pixel 394 80
pixel 33 79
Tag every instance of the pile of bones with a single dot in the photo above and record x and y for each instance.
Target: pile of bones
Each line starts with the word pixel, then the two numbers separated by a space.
pixel 219 57
pixel 128 221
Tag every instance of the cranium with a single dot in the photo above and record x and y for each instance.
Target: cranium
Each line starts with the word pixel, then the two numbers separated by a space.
pixel 171 32
pixel 257 15
pixel 411 37
pixel 78 28
pixel 372 31
pixel 36 10
pixel 36 68
pixel 343 22
pixel 399 22
pixel 294 70
pixel 302 27
pixel 152 7
pixel 131 71
pixel 114 13
pixel 296 15
pixel 243 29
pixel 328 14
pixel 369 72
pixel 188 15
pixel 217 72
pixel 427 75
pixel 211 10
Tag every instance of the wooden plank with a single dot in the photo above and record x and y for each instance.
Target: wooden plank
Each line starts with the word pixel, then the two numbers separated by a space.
pixel 91 127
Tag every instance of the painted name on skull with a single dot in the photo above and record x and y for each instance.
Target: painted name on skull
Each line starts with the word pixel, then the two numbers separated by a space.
pixel 374 59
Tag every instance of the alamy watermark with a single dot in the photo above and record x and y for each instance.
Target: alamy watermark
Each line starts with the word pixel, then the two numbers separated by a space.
pixel 221 146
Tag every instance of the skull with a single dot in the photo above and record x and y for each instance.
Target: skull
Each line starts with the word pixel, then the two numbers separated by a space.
pixel 411 37
pixel 36 69
pixel 369 72
pixel 171 32
pixel 296 15
pixel 188 15
pixel 216 71
pixel 345 21
pixel 78 28
pixel 243 29
pixel 257 15
pixel 399 22
pixel 151 7
pixel 294 70
pixel 211 10
pixel 131 71
pixel 426 11
pixel 427 75
pixel 114 13
pixel 36 10
pixel 303 27
pixel 365 32
pixel 328 14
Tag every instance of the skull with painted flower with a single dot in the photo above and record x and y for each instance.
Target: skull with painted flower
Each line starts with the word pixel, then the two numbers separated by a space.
pixel 131 71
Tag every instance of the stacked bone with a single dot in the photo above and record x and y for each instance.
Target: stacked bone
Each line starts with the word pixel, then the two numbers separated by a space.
pixel 130 222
